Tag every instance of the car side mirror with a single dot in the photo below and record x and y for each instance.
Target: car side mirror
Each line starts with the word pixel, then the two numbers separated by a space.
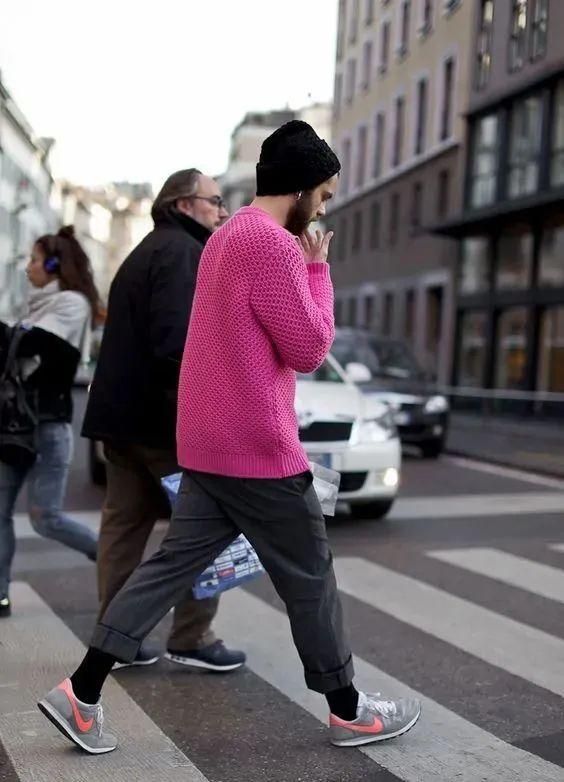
pixel 358 373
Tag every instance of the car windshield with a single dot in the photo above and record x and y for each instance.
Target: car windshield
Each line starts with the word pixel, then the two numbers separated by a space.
pixel 325 374
pixel 383 358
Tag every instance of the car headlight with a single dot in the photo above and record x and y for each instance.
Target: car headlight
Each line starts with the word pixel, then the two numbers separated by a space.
pixel 436 404
pixel 377 429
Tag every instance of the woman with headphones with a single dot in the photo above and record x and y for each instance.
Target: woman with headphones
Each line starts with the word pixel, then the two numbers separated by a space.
pixel 63 304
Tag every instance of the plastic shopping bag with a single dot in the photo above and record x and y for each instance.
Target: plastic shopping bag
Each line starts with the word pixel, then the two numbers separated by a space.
pixel 237 564
pixel 326 484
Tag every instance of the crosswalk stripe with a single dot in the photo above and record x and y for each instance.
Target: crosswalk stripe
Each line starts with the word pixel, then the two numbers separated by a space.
pixel 520 572
pixel 442 745
pixel 475 505
pixel 37 651
pixel 497 639
pixel 557 546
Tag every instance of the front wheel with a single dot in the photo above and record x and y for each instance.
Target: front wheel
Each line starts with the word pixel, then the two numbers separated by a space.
pixel 372 510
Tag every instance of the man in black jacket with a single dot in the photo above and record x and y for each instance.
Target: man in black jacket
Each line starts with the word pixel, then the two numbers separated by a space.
pixel 132 402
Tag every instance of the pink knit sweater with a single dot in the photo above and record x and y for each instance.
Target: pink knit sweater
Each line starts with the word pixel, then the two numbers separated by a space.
pixel 260 314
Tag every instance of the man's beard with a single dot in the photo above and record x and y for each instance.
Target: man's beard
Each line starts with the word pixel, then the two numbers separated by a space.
pixel 299 216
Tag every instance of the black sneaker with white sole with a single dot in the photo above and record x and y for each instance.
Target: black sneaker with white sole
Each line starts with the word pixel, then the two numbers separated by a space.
pixel 146 655
pixel 215 657
pixel 5 606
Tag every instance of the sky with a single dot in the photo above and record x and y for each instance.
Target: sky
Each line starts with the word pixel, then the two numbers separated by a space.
pixel 133 90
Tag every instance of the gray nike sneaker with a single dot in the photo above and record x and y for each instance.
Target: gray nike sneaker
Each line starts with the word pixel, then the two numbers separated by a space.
pixel 376 720
pixel 78 721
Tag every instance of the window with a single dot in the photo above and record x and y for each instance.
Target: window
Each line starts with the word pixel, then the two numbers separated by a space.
pixel 369 311
pixel 384 47
pixel 525 147
pixel 416 205
pixel 551 351
pixel 557 152
pixel 421 127
pixel 397 153
pixel 343 239
pixel 338 95
pixel 474 274
pixel 472 349
pixel 551 261
pixel 448 95
pixel 539 29
pixel 353 29
pixel 375 225
pixel 410 315
pixel 366 65
pixel 518 38
pixel 357 232
pixel 511 349
pixel 394 218
pixel 485 39
pixel 341 29
pixel 351 80
pixel 514 260
pixel 346 168
pixel 426 17
pixel 379 138
pixel 361 156
pixel 404 28
pixel 369 18
pixel 443 194
pixel 353 308
pixel 338 312
pixel 484 161
pixel 388 314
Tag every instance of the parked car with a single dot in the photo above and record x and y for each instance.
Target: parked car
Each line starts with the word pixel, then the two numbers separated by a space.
pixel 343 429
pixel 387 368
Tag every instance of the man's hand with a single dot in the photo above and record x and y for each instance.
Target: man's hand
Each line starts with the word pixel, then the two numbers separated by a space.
pixel 315 248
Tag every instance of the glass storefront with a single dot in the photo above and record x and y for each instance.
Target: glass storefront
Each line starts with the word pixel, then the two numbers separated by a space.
pixel 474 265
pixel 551 351
pixel 511 349
pixel 551 261
pixel 472 349
pixel 514 260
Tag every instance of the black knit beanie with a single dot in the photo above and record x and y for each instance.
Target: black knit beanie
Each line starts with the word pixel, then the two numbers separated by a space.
pixel 294 158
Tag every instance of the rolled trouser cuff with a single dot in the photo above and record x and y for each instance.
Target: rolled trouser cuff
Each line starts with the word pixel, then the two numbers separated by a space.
pixel 333 680
pixel 123 647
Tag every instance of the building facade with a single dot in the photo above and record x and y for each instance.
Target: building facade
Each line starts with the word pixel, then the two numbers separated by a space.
pixel 28 201
pixel 510 281
pixel 401 87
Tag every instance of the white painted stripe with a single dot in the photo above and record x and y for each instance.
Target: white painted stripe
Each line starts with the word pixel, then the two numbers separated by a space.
pixel 442 746
pixel 512 646
pixel 516 571
pixel 557 546
pixel 474 505
pixel 38 651
pixel 505 472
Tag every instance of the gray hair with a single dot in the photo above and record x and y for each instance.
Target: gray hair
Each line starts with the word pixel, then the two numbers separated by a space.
pixel 181 184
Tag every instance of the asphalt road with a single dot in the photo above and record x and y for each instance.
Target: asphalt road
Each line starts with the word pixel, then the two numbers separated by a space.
pixel 457 596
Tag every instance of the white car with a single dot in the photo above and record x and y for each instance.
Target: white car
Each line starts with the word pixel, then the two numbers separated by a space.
pixel 348 431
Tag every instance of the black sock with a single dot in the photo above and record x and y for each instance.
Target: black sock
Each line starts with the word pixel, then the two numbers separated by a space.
pixel 89 677
pixel 343 703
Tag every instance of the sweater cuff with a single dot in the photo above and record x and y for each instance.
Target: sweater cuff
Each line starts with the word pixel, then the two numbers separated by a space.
pixel 319 269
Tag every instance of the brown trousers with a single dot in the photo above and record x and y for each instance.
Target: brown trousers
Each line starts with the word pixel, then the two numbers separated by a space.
pixel 135 500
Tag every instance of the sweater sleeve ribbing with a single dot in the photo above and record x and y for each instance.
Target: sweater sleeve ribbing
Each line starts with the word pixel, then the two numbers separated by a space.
pixel 294 303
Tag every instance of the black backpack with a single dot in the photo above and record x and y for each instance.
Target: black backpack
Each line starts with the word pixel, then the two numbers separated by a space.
pixel 18 410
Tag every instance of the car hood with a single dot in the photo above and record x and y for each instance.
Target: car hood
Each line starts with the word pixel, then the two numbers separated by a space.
pixel 334 402
pixel 393 387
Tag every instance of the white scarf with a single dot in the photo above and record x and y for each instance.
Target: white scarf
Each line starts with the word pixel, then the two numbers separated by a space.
pixel 64 313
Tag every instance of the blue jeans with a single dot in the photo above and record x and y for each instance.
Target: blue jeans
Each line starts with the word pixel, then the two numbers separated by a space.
pixel 47 482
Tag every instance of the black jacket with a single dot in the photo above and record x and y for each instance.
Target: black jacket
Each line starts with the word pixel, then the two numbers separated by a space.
pixel 53 379
pixel 133 394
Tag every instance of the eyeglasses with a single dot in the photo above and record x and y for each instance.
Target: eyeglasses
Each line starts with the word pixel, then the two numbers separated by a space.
pixel 216 201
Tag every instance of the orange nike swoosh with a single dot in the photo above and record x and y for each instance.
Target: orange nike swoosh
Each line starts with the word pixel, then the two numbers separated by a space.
pixel 376 727
pixel 83 725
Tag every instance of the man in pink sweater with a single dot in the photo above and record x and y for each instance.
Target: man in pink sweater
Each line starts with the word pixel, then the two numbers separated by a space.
pixel 263 310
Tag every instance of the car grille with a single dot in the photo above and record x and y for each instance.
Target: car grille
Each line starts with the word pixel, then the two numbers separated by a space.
pixel 352 481
pixel 326 432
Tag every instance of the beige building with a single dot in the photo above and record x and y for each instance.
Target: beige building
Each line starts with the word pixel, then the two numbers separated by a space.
pixel 401 88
